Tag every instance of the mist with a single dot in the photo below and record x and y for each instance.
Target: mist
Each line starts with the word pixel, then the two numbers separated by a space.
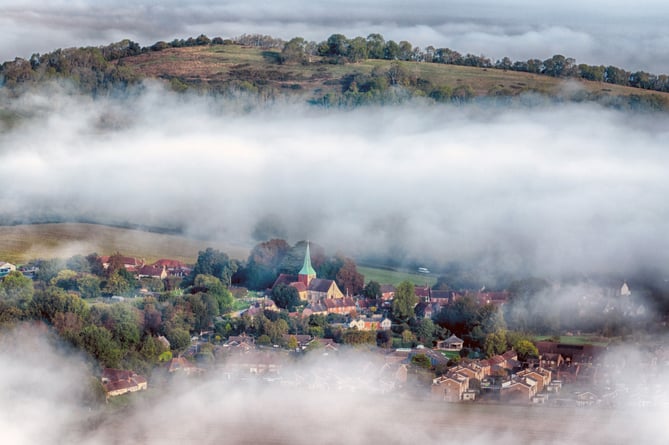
pixel 43 388
pixel 539 188
pixel 630 36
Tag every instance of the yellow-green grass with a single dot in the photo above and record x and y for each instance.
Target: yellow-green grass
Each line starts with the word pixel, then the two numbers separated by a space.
pixel 19 244
pixel 395 277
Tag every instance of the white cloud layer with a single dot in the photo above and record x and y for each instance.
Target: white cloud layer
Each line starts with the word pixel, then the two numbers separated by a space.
pixel 555 188
pixel 628 35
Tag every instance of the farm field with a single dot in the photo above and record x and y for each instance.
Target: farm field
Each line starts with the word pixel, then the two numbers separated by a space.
pixel 394 277
pixel 19 244
pixel 577 339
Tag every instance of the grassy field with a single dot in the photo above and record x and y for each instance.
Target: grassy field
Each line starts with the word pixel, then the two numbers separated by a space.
pixel 394 277
pixel 223 63
pixel 19 244
pixel 577 339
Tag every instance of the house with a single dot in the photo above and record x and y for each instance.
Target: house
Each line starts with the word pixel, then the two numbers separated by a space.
pixel 260 307
pixel 450 388
pixel 495 298
pixel 422 293
pixel 520 390
pixel 452 343
pixel 387 292
pixel 314 308
pixel 585 399
pixel 254 362
pixel 152 272
pixel 442 297
pixel 311 289
pixel 174 268
pixel 129 263
pixel 243 343
pixel 180 365
pixel 6 268
pixel 364 324
pixel 471 370
pixel 343 306
pixel 326 344
pixel 436 358
pixel 302 339
pixel 540 375
pixel 551 360
pixel 385 324
pixel 572 354
pixel 119 381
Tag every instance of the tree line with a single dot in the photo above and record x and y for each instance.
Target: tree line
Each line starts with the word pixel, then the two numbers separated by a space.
pixel 94 72
pixel 340 49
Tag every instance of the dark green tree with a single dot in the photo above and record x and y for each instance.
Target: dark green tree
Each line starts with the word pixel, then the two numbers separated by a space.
pixel 17 289
pixel 372 290
pixel 286 297
pixel 404 301
pixel 213 262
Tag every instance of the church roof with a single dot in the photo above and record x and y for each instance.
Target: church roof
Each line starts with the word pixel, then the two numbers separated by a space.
pixel 306 268
pixel 320 285
pixel 284 278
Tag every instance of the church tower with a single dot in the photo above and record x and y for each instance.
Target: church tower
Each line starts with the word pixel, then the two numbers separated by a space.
pixel 307 273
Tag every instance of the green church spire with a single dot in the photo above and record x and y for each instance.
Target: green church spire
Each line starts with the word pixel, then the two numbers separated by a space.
pixel 306 268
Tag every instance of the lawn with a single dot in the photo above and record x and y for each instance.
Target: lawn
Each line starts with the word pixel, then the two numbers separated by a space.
pixel 577 339
pixel 394 277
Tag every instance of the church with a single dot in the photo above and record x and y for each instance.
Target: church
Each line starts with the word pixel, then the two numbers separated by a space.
pixel 310 288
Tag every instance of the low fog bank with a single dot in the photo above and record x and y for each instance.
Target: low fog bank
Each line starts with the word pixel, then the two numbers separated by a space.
pixel 41 387
pixel 536 189
pixel 45 388
pixel 598 32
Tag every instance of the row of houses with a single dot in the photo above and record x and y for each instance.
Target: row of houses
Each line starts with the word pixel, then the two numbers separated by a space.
pixel 161 269
pixel 467 381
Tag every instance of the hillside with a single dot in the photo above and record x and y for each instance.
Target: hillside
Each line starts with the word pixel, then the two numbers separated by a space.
pixel 258 69
pixel 264 72
pixel 21 243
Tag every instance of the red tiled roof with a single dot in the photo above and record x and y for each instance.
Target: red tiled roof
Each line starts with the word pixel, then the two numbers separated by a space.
pixel 299 286
pixel 284 278
pixel 170 264
pixel 151 271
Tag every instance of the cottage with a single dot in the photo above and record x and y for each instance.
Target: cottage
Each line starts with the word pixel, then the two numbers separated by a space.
pixel 387 292
pixel 450 388
pixel 540 375
pixel 174 268
pixel 152 272
pixel 117 382
pixel 520 390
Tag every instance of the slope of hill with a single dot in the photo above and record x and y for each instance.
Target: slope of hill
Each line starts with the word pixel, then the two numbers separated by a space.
pixel 234 64
pixel 232 68
pixel 21 243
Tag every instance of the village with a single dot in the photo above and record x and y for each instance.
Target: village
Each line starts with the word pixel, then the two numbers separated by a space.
pixel 554 372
